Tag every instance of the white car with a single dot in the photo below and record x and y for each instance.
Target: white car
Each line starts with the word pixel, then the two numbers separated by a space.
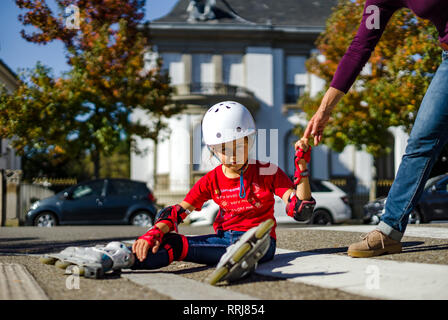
pixel 331 207
pixel 205 217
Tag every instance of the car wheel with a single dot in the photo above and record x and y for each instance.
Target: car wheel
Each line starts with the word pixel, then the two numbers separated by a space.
pixel 375 219
pixel 141 219
pixel 45 219
pixel 322 217
pixel 415 217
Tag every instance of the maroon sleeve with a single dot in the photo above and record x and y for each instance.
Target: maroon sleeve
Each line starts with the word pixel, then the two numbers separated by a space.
pixel 199 194
pixel 281 183
pixel 363 44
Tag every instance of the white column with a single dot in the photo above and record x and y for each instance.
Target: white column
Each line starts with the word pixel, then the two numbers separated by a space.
pixel 142 165
pixel 401 141
pixel 364 163
pixel 260 73
pixel 179 153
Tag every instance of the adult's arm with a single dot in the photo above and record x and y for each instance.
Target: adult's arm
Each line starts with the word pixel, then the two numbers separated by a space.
pixel 364 42
pixel 351 64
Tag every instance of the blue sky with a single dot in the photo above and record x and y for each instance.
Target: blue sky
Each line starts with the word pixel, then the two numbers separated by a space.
pixel 17 53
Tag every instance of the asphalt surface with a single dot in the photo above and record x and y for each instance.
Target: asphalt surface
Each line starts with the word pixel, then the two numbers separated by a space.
pixel 23 245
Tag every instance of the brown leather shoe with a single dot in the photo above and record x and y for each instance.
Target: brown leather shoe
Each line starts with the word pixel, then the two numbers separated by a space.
pixel 374 243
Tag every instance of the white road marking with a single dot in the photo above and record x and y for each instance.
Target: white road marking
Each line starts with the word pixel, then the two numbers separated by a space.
pixel 16 283
pixel 376 278
pixel 411 231
pixel 181 288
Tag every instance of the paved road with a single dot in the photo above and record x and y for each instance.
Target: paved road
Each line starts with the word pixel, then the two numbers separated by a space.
pixel 311 263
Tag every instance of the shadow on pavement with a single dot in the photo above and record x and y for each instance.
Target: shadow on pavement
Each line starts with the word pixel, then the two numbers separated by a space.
pixel 424 248
pixel 17 239
pixel 191 270
pixel 408 246
pixel 51 246
pixel 180 271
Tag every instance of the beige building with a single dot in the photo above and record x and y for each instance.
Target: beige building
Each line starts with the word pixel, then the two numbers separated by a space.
pixel 8 158
pixel 10 163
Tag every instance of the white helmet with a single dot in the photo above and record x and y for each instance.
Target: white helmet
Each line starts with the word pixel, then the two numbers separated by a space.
pixel 227 121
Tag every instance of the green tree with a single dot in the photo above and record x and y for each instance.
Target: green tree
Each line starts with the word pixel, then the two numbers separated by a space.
pixel 87 109
pixel 402 66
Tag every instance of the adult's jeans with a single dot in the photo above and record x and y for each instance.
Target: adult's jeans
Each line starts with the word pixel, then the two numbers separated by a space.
pixel 428 136
pixel 205 249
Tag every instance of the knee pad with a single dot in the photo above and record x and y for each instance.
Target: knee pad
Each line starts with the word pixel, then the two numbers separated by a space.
pixel 176 245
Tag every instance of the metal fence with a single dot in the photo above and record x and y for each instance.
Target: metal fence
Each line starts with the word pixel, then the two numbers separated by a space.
pixel 30 193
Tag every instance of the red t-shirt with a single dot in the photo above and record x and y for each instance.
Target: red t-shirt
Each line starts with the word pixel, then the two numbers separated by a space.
pixel 261 181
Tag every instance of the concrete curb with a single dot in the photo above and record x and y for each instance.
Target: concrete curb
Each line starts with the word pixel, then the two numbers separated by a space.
pixel 181 288
pixel 370 277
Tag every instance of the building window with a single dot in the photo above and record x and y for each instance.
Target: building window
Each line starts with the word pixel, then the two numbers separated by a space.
pixel 293 92
pixel 296 78
pixel 233 69
pixel 203 69
pixel 173 64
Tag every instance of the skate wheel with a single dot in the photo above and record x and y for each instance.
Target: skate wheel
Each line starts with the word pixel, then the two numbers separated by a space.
pixel 47 260
pixel 62 264
pixel 241 252
pixel 264 228
pixel 217 275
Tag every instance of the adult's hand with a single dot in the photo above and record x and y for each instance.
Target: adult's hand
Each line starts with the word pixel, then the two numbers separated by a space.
pixel 316 126
pixel 319 120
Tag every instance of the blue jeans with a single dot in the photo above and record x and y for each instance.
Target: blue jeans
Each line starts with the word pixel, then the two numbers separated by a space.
pixel 428 136
pixel 204 249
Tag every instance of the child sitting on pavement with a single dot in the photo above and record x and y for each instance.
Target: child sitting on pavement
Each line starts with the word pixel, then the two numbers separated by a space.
pixel 243 188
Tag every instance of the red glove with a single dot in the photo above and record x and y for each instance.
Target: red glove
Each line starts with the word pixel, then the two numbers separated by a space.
pixel 300 154
pixel 154 234
pixel 298 174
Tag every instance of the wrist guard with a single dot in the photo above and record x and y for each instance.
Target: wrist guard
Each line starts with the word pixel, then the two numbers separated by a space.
pixel 172 216
pixel 299 174
pixel 154 234
pixel 300 210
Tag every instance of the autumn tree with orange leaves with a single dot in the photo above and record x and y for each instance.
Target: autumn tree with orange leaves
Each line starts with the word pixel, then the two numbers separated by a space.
pixel 402 66
pixel 88 107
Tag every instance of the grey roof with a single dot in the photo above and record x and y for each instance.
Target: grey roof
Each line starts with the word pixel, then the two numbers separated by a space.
pixel 4 65
pixel 294 13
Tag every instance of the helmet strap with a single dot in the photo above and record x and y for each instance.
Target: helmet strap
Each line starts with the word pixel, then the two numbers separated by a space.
pixel 242 189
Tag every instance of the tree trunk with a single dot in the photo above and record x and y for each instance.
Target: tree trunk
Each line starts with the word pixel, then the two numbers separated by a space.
pixel 154 170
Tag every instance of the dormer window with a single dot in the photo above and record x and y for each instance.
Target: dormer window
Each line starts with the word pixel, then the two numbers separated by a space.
pixel 201 10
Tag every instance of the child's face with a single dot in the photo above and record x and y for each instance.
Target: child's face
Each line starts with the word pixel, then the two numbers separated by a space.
pixel 233 154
